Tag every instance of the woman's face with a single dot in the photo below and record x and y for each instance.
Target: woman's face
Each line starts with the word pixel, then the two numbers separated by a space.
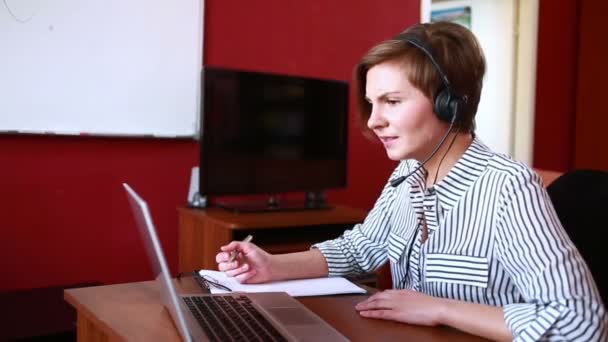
pixel 402 116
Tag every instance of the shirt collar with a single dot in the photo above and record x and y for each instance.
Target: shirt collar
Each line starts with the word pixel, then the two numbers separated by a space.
pixel 458 180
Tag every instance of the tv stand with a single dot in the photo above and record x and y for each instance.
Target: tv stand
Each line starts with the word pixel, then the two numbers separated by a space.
pixel 314 200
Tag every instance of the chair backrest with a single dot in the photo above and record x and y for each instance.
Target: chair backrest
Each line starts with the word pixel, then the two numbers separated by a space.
pixel 580 198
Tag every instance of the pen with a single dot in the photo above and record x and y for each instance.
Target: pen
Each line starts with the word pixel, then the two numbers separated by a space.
pixel 233 254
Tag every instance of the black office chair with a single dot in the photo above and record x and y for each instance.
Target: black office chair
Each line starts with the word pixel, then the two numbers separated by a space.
pixel 580 198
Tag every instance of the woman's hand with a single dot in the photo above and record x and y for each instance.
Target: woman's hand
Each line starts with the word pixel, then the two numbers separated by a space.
pixel 252 264
pixel 405 306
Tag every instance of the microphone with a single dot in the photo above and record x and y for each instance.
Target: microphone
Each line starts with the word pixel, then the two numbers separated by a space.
pixel 396 181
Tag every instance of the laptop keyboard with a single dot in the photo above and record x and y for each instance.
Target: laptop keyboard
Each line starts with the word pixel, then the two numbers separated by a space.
pixel 231 318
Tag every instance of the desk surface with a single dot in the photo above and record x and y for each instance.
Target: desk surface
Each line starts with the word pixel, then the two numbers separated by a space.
pixel 133 311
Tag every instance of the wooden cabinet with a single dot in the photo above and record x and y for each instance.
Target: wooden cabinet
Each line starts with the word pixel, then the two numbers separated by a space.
pixel 202 232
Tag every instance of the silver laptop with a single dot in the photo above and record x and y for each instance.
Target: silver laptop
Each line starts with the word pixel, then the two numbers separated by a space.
pixel 273 316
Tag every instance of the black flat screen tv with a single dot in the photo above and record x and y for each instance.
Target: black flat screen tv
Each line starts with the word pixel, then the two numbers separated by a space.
pixel 266 133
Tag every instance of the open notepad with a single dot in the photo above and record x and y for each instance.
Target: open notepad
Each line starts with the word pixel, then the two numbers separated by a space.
pixel 295 288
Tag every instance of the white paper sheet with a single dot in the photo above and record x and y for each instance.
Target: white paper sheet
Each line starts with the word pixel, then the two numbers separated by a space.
pixel 295 288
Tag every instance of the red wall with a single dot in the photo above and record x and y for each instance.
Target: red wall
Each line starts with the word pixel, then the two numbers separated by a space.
pixel 556 85
pixel 63 215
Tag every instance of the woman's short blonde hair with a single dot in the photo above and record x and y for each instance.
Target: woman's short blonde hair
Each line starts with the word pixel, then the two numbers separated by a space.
pixel 454 48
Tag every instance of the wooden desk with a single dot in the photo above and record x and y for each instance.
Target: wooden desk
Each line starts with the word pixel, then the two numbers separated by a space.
pixel 133 312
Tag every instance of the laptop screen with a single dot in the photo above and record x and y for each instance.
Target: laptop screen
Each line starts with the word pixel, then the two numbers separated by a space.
pixel 157 259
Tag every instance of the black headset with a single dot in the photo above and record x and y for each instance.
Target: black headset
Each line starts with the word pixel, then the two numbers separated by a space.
pixel 446 104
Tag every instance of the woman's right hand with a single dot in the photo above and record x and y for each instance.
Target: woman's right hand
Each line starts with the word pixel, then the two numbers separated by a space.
pixel 252 264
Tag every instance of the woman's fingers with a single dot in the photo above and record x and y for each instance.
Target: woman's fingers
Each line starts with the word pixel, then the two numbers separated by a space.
pixel 380 305
pixel 227 266
pixel 233 272
pixel 246 276
pixel 376 304
pixel 379 314
pixel 384 295
pixel 222 257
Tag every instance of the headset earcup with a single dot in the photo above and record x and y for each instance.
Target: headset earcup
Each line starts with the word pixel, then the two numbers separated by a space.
pixel 445 105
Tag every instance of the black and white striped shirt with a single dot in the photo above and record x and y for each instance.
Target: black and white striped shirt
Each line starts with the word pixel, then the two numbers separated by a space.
pixel 493 238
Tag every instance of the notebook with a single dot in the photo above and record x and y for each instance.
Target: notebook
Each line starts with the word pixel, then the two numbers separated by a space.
pixel 268 316
pixel 295 288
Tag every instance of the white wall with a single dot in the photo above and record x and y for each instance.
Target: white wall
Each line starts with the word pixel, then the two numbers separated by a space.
pixel 493 22
pixel 525 85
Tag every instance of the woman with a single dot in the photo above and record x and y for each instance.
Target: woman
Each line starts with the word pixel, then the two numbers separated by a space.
pixel 471 236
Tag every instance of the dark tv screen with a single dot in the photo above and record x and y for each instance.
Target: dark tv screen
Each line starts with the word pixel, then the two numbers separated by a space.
pixel 265 133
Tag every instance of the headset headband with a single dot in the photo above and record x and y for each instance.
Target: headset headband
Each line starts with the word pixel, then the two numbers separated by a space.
pixel 415 40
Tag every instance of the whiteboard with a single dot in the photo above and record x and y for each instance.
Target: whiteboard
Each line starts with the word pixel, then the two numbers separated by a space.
pixel 101 67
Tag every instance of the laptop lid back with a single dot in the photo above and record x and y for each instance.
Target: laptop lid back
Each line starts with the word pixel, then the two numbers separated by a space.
pixel 155 253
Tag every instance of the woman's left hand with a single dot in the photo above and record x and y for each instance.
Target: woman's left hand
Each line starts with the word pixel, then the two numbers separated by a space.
pixel 405 306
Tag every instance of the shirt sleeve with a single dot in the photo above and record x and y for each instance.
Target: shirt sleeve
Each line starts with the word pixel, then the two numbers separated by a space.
pixel 364 247
pixel 559 298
